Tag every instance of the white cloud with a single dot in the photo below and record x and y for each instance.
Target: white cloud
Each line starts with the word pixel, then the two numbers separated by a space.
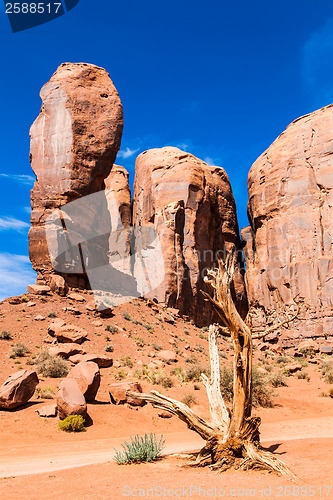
pixel 28 210
pixel 23 179
pixel 209 161
pixel 7 223
pixel 16 274
pixel 127 153
pixel 317 70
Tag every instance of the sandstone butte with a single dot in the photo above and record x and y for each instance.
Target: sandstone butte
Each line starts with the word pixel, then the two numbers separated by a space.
pixel 74 143
pixel 191 207
pixel 288 250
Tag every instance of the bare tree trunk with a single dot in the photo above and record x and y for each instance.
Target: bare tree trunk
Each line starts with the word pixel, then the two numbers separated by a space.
pixel 233 438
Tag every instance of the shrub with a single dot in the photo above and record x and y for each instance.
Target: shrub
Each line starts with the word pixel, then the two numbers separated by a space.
pixel 191 359
pixel 327 371
pixel 330 392
pixel 120 375
pixel 260 395
pixel 140 449
pixel 193 374
pixel 109 348
pixel 199 348
pixel 180 374
pixel 303 375
pixel 329 377
pixel 165 382
pixel 127 316
pixel 111 329
pixel 157 347
pixel 19 350
pixel 52 315
pixel 282 359
pixel 45 393
pixel 72 423
pixel 204 329
pixel 139 342
pixel 127 361
pixel 277 380
pixel 5 335
pixel 189 399
pixel 51 366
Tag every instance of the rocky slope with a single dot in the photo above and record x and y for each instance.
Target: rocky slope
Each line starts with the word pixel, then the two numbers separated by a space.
pixel 288 248
pixel 191 206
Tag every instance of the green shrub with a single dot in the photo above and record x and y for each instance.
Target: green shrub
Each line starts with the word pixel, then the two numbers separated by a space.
pixel 303 376
pixel 127 316
pixel 72 423
pixel 5 335
pixel 140 449
pixel 109 348
pixel 51 366
pixel 330 392
pixel 189 399
pixel 139 342
pixel 329 377
pixel 282 359
pixel 193 374
pixel 191 359
pixel 157 347
pixel 19 350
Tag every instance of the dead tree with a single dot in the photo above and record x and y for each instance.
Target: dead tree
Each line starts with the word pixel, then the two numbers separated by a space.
pixel 232 437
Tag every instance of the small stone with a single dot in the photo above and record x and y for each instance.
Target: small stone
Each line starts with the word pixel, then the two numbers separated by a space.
pixel 39 317
pixel 38 289
pixel 326 349
pixel 167 356
pixel 47 411
pixel 76 296
pixel 165 414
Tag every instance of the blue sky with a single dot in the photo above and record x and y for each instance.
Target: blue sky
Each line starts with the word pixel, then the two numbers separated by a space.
pixel 219 79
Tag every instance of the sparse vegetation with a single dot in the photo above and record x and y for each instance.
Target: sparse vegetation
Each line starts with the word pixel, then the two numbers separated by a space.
pixel 51 366
pixel 140 449
pixel 327 371
pixel 19 350
pixel 72 423
pixel 127 361
pixel 45 392
pixel 260 394
pixel 157 347
pixel 127 316
pixel 5 335
pixel 109 348
pixel 165 382
pixel 189 399
pixel 282 359
pixel 191 359
pixel 52 315
pixel 140 342
pixel 111 329
pixel 278 380
pixel 303 376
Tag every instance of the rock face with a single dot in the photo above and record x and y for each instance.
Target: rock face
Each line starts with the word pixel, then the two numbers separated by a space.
pixel 18 389
pixel 191 206
pixel 74 142
pixel 70 400
pixel 288 250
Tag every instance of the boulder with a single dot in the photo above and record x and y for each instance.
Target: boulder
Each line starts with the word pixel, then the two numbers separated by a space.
pixel 326 349
pixel 308 346
pixel 167 356
pixel 76 296
pixel 117 391
pixel 72 160
pixel 101 360
pixel 88 376
pixel 53 327
pixel 293 368
pixel 70 399
pixel 66 350
pixel 191 207
pixel 58 285
pixel 71 333
pixel 18 389
pixel 288 246
pixel 38 289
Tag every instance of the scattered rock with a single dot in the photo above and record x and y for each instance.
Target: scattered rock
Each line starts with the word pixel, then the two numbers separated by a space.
pixel 58 285
pixel 15 300
pixel 326 349
pixel 47 410
pixel 76 296
pixel 308 346
pixel 167 356
pixel 117 391
pixel 38 289
pixel 88 376
pixel 101 360
pixel 39 317
pixel 71 333
pixel 97 323
pixel 70 400
pixel 167 318
pixel 18 389
pixel 30 304
pixel 72 310
pixel 293 368
pixel 55 326
pixel 165 414
pixel 66 350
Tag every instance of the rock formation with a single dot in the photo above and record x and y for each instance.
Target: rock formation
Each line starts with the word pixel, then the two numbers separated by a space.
pixel 74 143
pixel 288 250
pixel 191 206
pixel 18 389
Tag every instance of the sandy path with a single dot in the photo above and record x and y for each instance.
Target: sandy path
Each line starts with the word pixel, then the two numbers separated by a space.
pixel 22 460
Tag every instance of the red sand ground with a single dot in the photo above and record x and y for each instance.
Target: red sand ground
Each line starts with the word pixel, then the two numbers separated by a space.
pixel 33 450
